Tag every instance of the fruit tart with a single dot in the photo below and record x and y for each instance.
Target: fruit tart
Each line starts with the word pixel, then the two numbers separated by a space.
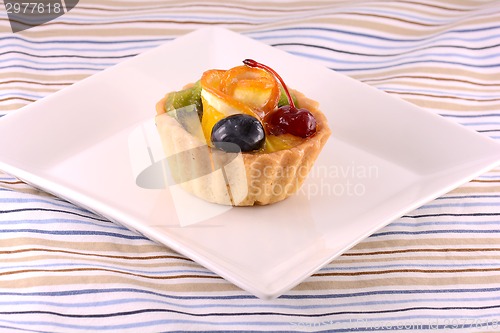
pixel 240 137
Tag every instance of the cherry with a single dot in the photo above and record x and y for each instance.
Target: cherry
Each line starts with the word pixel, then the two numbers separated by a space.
pixel 298 122
pixel 288 118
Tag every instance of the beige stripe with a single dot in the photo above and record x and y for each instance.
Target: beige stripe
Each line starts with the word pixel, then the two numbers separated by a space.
pixel 208 11
pixel 11 107
pixel 485 189
pixel 452 5
pixel 407 271
pixel 19 186
pixel 410 281
pixel 29 100
pixel 311 283
pixel 451 74
pixel 442 86
pixel 448 106
pixel 150 249
pixel 447 97
pixel 434 243
pixel 466 258
pixel 427 10
pixel 86 281
pixel 446 83
pixel 5 26
pixel 255 5
pixel 39 89
pixel 112 272
pixel 28 190
pixel 154 31
pixel 43 78
pixel 443 3
pixel 441 251
pixel 489 181
pixel 94 255
pixel 158 262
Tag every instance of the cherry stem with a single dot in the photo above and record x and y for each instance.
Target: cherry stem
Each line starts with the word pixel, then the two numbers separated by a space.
pixel 253 63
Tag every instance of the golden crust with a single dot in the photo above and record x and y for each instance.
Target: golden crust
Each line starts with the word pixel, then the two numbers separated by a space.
pixel 250 178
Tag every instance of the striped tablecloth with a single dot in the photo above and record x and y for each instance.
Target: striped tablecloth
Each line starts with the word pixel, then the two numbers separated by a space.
pixel 63 269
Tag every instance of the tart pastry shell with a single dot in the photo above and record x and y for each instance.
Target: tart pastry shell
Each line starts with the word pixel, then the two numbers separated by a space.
pixel 243 179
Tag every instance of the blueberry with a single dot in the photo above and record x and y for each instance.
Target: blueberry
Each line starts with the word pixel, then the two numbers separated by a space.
pixel 238 132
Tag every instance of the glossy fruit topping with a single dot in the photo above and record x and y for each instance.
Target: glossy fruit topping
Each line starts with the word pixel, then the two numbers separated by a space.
pixel 298 122
pixel 239 90
pixel 281 142
pixel 288 118
pixel 253 87
pixel 186 97
pixel 239 132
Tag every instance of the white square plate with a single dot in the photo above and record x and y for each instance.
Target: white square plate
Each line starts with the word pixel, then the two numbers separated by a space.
pixel 385 157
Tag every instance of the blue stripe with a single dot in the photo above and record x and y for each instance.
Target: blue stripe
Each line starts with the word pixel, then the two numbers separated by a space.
pixel 68 223
pixel 76 50
pixel 142 324
pixel 218 304
pixel 440 222
pixel 426 43
pixel 83 41
pixel 23 329
pixel 482 123
pixel 359 68
pixel 53 68
pixel 461 204
pixel 59 63
pixel 394 58
pixel 364 321
pixel 73 233
pixel 426 58
pixel 407 39
pixel 292 295
pixel 20 94
pixel 431 232
pixel 471 196
pixel 156 43
pixel 54 202
pixel 472 115
pixel 440 92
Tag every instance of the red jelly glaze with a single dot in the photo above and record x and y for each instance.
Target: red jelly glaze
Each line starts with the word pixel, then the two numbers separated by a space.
pixel 288 118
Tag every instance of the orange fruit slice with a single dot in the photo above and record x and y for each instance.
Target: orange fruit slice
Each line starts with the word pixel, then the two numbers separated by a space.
pixel 241 89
